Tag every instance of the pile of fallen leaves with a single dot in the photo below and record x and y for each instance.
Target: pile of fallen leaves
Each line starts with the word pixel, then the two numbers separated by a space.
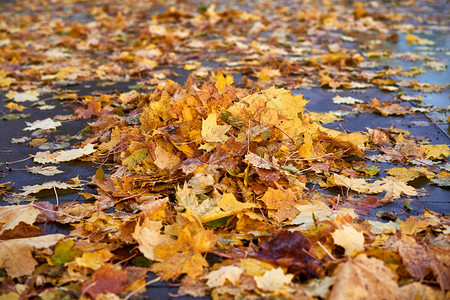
pixel 228 186
pixel 211 187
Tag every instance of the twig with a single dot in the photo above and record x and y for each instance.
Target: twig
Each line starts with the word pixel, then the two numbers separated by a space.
pixel 140 288
pixel 326 251
pixel 17 161
pixel 56 195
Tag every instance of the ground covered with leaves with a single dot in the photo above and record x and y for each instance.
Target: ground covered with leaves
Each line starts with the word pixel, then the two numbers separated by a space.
pixel 212 170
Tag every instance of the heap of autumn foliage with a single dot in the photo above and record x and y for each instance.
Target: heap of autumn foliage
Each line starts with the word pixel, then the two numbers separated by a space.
pixel 213 187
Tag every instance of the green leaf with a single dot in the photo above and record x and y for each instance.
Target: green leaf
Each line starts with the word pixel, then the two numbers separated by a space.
pixel 64 252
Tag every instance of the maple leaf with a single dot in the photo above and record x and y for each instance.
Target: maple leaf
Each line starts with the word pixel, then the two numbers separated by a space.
pixel 45 124
pixel 346 100
pixel 293 251
pixel 15 254
pixel 33 189
pixel 11 216
pixel 218 277
pixel 165 159
pixel 148 235
pixel 364 278
pixel 273 280
pixel 212 132
pixel 63 155
pixel 24 96
pixel 318 211
pixel 64 252
pixel 436 151
pixel 14 106
pixel 349 238
pixel 281 203
pixel 93 260
pixel 184 255
pixel 108 279
pixel 46 171
pixel 394 188
pixel 223 81
pixel 420 258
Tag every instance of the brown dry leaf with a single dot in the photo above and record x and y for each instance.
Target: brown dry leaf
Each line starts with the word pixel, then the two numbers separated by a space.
pixel 420 259
pixel 364 278
pixel 281 204
pixel 11 216
pixel 63 155
pixel 16 257
pixel 349 238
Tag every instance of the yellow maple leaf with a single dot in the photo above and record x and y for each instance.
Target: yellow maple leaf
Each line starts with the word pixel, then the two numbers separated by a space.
pixel 184 254
pixel 349 238
pixel 281 203
pixel 93 260
pixel 411 226
pixel 14 106
pixel 436 151
pixel 148 235
pixel 223 81
pixel 212 132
